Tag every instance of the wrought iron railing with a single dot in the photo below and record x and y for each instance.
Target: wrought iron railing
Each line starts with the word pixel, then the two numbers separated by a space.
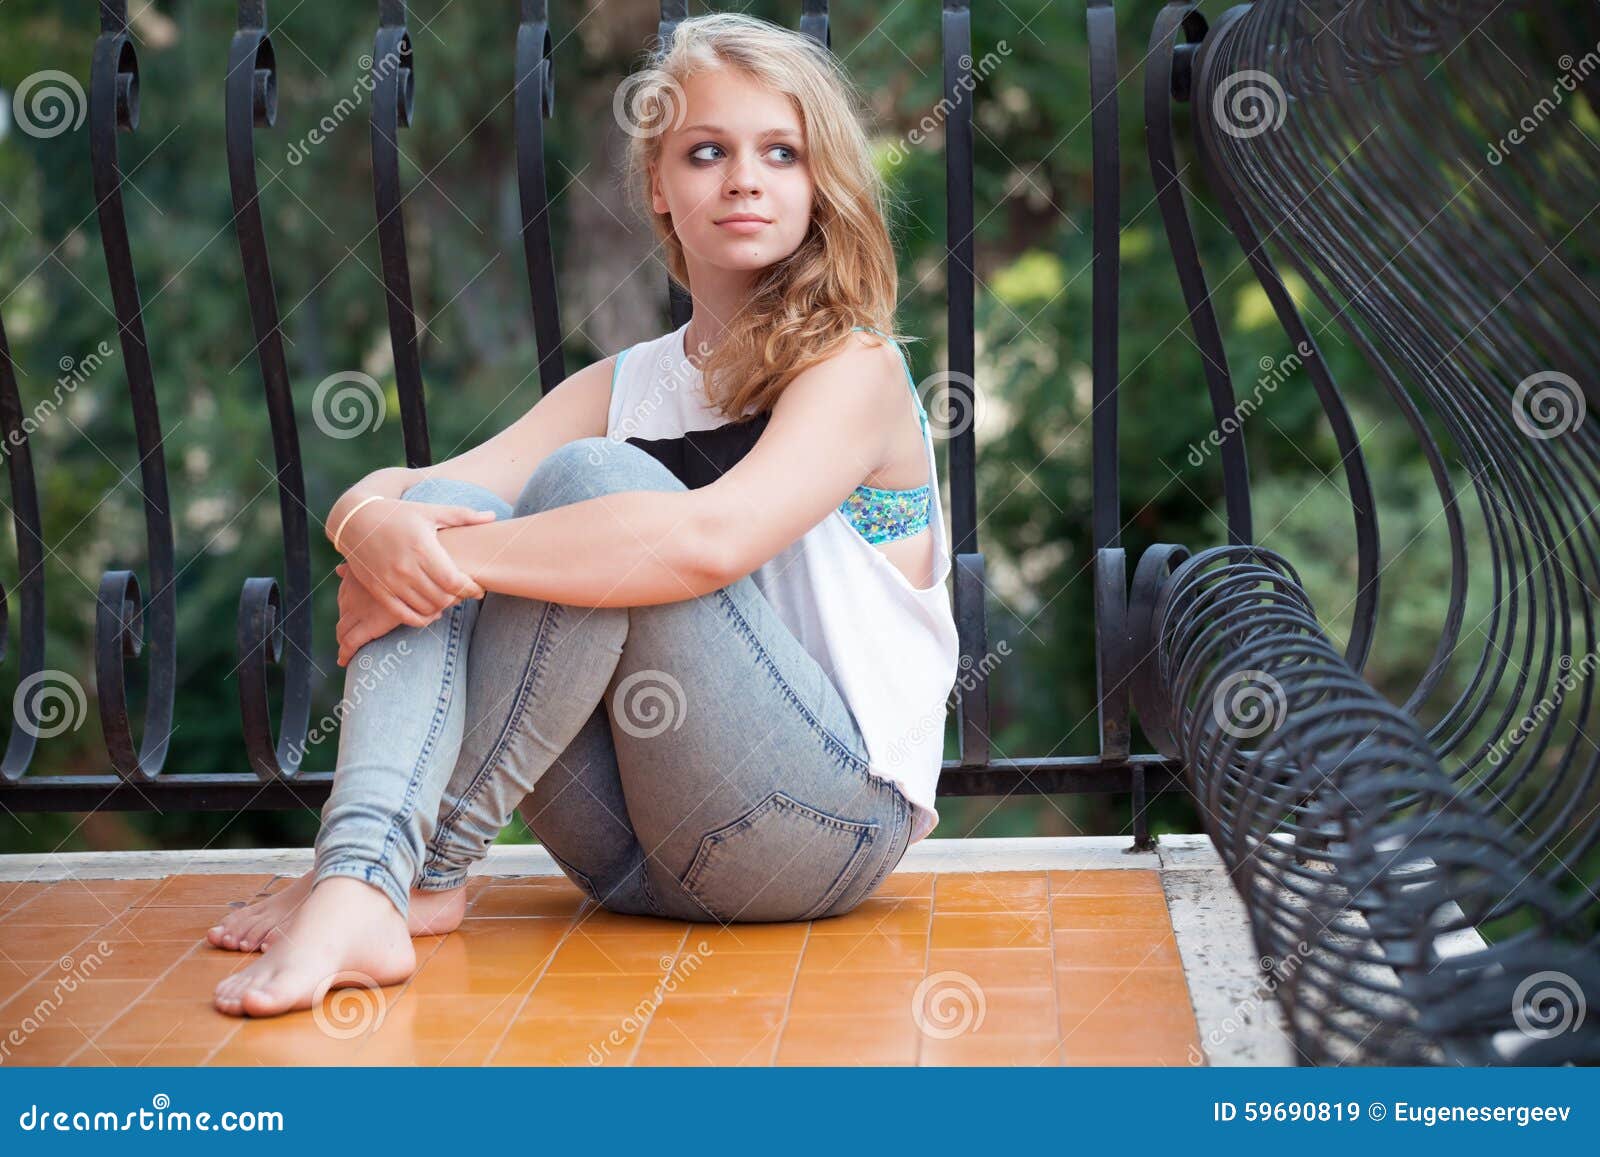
pixel 274 620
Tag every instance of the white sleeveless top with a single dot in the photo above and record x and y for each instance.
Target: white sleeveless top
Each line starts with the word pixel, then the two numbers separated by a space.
pixel 891 648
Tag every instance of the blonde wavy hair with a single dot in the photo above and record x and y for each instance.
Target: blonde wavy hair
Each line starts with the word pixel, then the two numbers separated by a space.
pixel 843 273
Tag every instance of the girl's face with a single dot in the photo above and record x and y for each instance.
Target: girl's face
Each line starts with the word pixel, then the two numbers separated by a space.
pixel 740 153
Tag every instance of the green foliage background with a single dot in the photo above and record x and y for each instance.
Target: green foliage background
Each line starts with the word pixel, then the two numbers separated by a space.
pixel 1033 193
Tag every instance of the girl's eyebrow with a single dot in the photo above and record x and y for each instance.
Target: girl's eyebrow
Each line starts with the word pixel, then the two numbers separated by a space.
pixel 785 132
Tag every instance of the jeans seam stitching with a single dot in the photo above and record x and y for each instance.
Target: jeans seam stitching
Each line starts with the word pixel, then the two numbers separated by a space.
pixel 491 762
pixel 829 738
pixel 440 707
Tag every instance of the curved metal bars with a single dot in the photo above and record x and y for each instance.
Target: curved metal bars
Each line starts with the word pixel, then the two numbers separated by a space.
pixel 24 737
pixel 1432 885
pixel 252 101
pixel 1365 867
pixel 120 614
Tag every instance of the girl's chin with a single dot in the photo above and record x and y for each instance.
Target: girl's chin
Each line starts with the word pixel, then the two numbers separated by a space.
pixel 737 256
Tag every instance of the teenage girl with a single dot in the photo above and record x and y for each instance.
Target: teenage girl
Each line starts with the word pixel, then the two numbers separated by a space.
pixel 723 701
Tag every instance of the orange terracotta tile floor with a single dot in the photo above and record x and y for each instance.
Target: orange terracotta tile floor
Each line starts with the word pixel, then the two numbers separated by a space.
pixel 981 968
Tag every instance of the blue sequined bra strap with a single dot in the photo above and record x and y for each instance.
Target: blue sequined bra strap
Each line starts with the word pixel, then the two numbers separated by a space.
pixel 882 515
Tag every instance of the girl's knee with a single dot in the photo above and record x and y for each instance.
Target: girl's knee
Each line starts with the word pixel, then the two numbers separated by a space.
pixel 454 492
pixel 589 467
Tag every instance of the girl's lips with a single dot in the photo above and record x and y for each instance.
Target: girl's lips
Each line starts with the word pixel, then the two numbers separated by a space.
pixel 743 226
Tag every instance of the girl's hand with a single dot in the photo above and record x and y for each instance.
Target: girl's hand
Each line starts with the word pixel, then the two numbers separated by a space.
pixel 361 617
pixel 392 549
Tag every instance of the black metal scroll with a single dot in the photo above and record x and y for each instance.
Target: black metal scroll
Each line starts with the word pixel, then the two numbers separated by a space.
pixel 252 100
pixel 535 102
pixel 393 95
pixel 120 615
pixel 24 737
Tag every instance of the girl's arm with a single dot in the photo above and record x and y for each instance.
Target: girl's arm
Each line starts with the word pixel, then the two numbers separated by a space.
pixel 829 430
pixel 574 409
pixel 391 545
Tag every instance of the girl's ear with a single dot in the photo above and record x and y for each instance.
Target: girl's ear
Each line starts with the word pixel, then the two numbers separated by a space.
pixel 657 201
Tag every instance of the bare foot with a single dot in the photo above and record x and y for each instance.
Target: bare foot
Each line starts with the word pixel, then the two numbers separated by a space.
pixel 345 933
pixel 259 925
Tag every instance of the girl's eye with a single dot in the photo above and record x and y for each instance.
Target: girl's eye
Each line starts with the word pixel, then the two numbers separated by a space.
pixel 695 154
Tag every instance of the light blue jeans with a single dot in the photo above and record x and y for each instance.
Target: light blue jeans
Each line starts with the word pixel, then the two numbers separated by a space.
pixel 688 759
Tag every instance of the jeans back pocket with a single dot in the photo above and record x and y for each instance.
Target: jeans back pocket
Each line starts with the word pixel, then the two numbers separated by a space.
pixel 781 860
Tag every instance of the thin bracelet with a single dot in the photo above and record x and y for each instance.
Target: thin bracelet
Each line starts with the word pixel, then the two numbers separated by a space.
pixel 345 521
